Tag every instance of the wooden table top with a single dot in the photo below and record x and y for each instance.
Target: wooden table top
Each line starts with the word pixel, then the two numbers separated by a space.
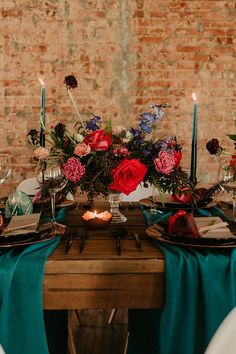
pixel 99 277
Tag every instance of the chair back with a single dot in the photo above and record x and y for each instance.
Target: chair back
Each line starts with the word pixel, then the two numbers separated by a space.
pixel 30 186
pixel 224 339
pixel 1 350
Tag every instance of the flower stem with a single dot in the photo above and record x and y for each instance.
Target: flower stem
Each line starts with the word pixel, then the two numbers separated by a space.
pixel 75 106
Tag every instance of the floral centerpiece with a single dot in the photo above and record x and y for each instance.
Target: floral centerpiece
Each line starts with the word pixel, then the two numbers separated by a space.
pixel 101 159
pixel 227 164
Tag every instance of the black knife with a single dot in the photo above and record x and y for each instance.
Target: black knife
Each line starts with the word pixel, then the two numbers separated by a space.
pixel 82 243
pixel 118 233
pixel 70 240
pixel 137 240
pixel 118 244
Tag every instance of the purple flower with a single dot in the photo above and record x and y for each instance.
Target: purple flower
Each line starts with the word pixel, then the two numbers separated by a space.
pixel 70 82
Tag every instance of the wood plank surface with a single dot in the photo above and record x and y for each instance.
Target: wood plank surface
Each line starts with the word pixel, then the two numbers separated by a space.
pixel 99 277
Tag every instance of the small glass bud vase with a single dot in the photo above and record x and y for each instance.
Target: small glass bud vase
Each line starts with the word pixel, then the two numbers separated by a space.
pixel 114 200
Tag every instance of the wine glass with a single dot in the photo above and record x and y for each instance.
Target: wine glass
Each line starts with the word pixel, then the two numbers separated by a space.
pixel 50 175
pixel 5 167
pixel 227 177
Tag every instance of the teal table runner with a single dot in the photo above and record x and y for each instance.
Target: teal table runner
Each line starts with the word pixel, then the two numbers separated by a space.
pixel 200 292
pixel 22 329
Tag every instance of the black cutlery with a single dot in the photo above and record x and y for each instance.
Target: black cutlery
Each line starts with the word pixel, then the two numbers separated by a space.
pixel 137 240
pixel 70 239
pixel 118 233
pixel 82 243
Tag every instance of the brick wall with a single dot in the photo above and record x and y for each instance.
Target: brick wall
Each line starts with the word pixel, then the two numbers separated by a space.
pixel 125 54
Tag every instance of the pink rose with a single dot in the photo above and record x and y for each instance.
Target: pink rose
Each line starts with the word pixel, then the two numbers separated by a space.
pixel 127 176
pixel 74 169
pixel 98 140
pixel 41 152
pixel 82 149
pixel 164 163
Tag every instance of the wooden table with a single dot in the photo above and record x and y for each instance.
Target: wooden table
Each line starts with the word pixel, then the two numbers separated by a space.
pixel 100 278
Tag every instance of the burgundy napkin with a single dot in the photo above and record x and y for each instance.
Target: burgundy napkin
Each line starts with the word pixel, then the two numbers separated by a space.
pixel 183 224
pixel 197 195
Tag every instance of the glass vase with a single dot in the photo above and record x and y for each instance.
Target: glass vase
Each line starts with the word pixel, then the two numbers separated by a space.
pixel 114 200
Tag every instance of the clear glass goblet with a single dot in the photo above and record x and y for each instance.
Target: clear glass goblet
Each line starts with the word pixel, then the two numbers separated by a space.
pixel 50 175
pixel 5 167
pixel 227 177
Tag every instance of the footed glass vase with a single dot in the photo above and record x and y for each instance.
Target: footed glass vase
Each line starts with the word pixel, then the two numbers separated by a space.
pixel 117 217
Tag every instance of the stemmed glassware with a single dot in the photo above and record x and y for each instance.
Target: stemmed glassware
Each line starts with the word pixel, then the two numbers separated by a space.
pixel 50 175
pixel 227 177
pixel 5 167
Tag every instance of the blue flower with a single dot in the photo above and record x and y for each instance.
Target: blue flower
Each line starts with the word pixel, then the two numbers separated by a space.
pixel 92 123
pixel 134 132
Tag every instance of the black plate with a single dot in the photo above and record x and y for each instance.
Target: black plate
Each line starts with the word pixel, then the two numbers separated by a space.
pixel 17 238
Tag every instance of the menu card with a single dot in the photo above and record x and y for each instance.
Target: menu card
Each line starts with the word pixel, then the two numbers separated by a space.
pixel 213 227
pixel 22 224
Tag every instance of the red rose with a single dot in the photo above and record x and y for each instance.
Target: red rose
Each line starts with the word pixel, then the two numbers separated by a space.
pixel 177 157
pixel 233 161
pixel 98 140
pixel 127 176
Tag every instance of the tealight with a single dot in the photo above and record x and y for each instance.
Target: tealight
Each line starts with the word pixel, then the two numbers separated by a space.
pixel 94 220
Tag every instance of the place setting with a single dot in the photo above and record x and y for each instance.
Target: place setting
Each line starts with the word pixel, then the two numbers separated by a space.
pixel 25 230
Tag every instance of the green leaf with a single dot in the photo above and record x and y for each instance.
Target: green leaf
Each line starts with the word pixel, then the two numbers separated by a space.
pixel 232 136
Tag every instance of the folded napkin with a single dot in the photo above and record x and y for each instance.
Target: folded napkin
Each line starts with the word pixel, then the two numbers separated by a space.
pixel 22 329
pixel 183 224
pixel 200 292
pixel 199 195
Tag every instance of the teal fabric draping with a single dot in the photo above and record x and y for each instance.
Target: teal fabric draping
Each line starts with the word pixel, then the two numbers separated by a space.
pixel 22 329
pixel 200 292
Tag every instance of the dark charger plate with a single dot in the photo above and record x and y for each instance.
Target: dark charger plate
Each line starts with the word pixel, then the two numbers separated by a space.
pixel 155 232
pixel 199 240
pixel 26 239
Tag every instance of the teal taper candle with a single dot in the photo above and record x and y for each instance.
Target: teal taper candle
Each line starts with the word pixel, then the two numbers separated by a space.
pixel 42 114
pixel 193 175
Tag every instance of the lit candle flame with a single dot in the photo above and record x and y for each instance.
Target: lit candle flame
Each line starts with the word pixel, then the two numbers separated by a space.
pixel 194 97
pixel 41 82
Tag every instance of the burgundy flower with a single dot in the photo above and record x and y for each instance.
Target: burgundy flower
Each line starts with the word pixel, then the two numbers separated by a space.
pixel 70 82
pixel 121 151
pixel 60 129
pixel 213 146
pixel 33 137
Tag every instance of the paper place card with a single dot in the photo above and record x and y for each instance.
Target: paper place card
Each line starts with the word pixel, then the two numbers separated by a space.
pixel 22 224
pixel 213 227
